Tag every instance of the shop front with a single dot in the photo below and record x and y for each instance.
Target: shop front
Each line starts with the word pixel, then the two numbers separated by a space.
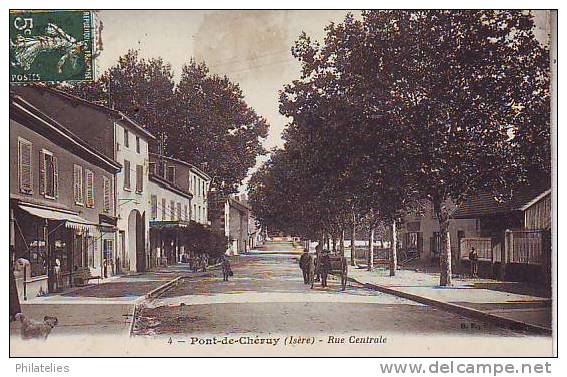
pixel 52 249
pixel 168 242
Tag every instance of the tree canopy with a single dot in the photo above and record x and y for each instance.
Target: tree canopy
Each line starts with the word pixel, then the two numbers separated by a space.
pixel 203 119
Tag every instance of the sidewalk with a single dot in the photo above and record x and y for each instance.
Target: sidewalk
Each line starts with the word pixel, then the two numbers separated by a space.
pixel 508 304
pixel 104 308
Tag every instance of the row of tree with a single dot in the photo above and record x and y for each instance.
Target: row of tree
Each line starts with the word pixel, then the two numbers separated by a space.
pixel 202 119
pixel 398 108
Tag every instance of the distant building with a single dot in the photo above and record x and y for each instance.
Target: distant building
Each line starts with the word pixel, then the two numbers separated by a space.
pixel 231 216
pixel 188 178
pixel 419 232
pixel 62 202
pixel 170 215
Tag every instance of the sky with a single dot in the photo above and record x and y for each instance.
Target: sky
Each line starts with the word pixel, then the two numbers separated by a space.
pixel 251 47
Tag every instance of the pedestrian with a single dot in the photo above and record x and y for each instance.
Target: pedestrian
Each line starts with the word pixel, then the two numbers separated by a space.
pixel 226 270
pixel 473 259
pixel 324 267
pixel 304 265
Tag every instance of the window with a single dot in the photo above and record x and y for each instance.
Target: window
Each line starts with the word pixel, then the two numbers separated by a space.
pixel 127 183
pixel 199 214
pixel 139 178
pixel 89 177
pixel 107 249
pixel 78 184
pixel 107 189
pixel 137 144
pixel 178 211
pixel 163 209
pixel 154 206
pixel 48 175
pixel 172 210
pixel 152 166
pixel 171 173
pixel 194 212
pixel 25 166
pixel 126 140
pixel 185 213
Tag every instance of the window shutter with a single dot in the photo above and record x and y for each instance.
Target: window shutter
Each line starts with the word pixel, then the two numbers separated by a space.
pixel 55 177
pixel 178 211
pixel 41 172
pixel 107 195
pixel 90 188
pixel 78 184
pixel 154 207
pixel 127 174
pixel 25 168
pixel 172 210
pixel 139 178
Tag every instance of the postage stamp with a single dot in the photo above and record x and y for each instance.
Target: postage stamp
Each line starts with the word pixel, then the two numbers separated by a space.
pixel 51 46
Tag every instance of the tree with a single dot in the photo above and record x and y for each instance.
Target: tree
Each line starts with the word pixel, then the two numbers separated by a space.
pixel 203 119
pixel 458 82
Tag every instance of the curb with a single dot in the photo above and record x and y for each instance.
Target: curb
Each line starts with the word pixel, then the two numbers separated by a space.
pixel 156 291
pixel 459 309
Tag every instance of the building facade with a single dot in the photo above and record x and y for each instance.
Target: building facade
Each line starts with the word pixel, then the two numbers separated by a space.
pixel 62 208
pixel 170 216
pixel 231 216
pixel 188 178
pixel 419 232
pixel 117 137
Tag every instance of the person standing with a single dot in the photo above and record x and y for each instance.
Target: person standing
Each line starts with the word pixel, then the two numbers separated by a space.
pixel 304 265
pixel 473 259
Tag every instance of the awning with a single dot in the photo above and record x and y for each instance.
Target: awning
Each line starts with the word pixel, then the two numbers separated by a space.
pixel 71 220
pixel 169 224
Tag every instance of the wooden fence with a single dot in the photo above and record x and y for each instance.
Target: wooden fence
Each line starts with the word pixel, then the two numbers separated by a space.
pixel 524 246
pixel 521 246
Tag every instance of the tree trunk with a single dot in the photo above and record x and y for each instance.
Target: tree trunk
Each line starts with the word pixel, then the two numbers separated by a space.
pixel 371 249
pixel 445 257
pixel 342 243
pixel 353 240
pixel 334 240
pixel 394 253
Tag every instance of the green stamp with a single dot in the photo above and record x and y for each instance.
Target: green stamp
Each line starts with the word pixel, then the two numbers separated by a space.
pixel 51 46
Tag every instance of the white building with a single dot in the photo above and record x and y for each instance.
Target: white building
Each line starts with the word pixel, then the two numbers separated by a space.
pixel 132 197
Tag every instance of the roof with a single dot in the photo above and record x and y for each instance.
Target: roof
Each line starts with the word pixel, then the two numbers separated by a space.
pixel 484 203
pixel 239 205
pixel 115 113
pixel 18 104
pixel 169 186
pixel 191 166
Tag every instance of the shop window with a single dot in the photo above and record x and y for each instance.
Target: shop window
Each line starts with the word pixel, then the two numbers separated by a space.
pixel 108 249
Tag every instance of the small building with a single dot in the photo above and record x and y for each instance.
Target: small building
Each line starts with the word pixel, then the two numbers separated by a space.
pixel 188 178
pixel 62 203
pixel 516 231
pixel 231 216
pixel 170 216
pixel 419 232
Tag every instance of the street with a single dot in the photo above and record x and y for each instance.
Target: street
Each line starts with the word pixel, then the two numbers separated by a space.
pixel 267 295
